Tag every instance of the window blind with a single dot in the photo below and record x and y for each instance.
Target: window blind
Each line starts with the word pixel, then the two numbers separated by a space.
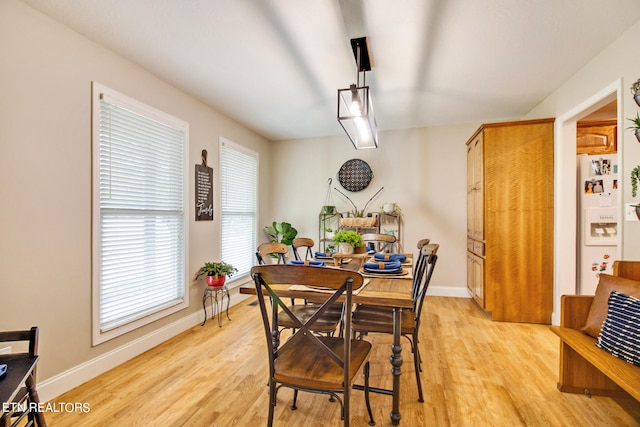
pixel 141 221
pixel 238 188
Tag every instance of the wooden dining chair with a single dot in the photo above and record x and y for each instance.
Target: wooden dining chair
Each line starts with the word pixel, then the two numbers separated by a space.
pixel 373 319
pixel 327 324
pixel 27 396
pixel 273 251
pixel 308 362
pixel 305 243
pixel 381 241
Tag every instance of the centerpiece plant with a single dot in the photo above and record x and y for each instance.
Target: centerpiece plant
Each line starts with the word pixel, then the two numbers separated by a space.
pixel 348 241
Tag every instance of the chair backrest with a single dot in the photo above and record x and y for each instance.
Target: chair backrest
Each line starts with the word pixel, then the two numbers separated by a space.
pixel 278 250
pixel 30 336
pixel 429 253
pixel 302 242
pixel 418 260
pixel 381 240
pixel 342 282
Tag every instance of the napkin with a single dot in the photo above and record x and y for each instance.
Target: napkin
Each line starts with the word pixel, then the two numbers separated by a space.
pixel 307 262
pixel 390 257
pixel 393 265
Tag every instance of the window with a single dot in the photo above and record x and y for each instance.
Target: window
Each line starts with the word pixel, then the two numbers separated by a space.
pixel 238 193
pixel 139 219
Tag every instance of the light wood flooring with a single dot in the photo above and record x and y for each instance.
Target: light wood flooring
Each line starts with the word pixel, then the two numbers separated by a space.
pixel 475 373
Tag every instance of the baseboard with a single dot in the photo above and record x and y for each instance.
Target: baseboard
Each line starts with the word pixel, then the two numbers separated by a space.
pixel 65 381
pixel 448 291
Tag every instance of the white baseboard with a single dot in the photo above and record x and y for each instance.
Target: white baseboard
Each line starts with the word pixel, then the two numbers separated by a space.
pixel 448 291
pixel 65 381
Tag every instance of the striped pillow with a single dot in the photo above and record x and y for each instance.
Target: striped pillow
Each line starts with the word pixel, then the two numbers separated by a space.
pixel 620 334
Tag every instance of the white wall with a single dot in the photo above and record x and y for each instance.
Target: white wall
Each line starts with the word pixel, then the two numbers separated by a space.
pixel 45 185
pixel 423 170
pixel 618 65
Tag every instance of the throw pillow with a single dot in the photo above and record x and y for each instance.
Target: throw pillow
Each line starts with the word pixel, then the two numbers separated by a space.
pixel 598 310
pixel 621 330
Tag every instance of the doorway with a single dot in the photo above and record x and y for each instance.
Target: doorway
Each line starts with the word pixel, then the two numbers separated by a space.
pixel 597 212
pixel 566 184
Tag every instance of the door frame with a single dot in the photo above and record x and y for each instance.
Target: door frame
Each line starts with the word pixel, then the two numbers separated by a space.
pixel 565 190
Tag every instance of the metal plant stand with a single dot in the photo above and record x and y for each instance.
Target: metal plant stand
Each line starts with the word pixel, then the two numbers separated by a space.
pixel 216 295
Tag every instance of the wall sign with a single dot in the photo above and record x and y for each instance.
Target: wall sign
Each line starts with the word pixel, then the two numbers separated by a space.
pixel 204 190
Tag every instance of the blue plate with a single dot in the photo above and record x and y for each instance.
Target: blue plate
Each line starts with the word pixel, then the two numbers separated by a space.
pixel 383 271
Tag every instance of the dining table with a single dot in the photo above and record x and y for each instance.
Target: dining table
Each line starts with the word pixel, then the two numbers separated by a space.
pixel 380 289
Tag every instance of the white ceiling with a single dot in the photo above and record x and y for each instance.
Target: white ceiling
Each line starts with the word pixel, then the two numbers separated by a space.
pixel 275 66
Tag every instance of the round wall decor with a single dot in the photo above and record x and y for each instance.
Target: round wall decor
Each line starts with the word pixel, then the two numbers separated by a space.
pixel 355 175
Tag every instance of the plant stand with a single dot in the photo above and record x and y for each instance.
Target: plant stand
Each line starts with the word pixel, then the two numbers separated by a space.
pixel 216 295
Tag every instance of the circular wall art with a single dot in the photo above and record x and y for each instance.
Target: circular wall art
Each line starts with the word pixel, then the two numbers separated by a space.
pixel 355 175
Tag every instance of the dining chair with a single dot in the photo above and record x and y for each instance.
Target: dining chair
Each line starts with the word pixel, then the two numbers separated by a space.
pixel 306 361
pixel 373 319
pixel 327 324
pixel 27 397
pixel 381 241
pixel 274 251
pixel 302 243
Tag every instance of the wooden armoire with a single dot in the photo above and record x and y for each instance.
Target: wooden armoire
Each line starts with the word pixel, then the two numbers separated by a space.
pixel 510 220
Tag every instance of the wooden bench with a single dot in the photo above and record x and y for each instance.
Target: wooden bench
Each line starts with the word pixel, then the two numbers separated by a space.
pixel 585 368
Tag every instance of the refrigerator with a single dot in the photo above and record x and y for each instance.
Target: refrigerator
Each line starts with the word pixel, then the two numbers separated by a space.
pixel 598 220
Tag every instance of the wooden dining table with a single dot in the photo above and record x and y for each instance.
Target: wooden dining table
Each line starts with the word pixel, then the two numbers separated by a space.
pixel 392 291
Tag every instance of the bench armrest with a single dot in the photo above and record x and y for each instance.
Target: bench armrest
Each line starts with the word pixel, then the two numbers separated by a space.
pixel 574 310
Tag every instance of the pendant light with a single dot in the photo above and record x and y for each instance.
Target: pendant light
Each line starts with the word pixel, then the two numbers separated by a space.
pixel 355 109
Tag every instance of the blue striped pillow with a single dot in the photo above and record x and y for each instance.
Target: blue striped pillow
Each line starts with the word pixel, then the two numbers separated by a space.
pixel 620 334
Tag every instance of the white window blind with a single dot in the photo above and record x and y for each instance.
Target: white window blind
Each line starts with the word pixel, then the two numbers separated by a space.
pixel 238 188
pixel 139 214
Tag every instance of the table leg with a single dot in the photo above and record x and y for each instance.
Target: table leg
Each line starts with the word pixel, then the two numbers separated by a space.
pixel 33 397
pixel 396 363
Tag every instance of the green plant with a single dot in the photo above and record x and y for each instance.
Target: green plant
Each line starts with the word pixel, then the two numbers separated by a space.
pixel 635 177
pixel 216 269
pixel 349 236
pixel 635 121
pixel 281 232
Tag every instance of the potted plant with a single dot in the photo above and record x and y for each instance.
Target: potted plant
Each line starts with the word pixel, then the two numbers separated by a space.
pixel 635 91
pixel 391 207
pixel 216 272
pixel 349 241
pixel 636 125
pixel 635 177
pixel 281 232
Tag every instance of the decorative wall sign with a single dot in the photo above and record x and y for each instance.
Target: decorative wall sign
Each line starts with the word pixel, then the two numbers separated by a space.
pixel 355 175
pixel 204 190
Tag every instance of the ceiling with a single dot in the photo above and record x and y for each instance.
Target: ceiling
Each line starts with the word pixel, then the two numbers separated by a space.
pixel 275 66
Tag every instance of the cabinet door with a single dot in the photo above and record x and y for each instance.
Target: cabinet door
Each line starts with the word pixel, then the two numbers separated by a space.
pixel 470 271
pixel 478 186
pixel 478 280
pixel 470 190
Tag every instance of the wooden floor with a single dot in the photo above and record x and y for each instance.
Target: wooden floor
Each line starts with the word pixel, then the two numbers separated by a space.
pixel 475 373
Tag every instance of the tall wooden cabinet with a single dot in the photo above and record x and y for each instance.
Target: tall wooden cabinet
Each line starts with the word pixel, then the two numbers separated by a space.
pixel 510 220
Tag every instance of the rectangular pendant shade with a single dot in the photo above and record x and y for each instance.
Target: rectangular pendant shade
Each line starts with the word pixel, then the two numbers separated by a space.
pixel 355 114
